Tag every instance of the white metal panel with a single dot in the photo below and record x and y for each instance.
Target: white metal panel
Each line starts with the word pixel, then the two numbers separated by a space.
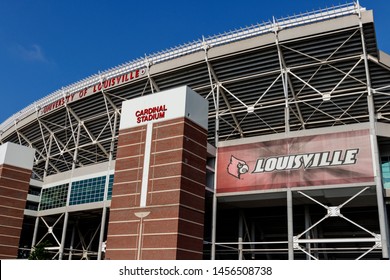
pixel 17 155
pixel 163 106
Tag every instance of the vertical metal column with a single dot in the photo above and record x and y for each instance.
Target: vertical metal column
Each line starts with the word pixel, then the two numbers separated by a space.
pixel 47 156
pixel 384 231
pixel 72 242
pixel 284 72
pixel 307 234
pixel 34 239
pixel 290 231
pixel 253 239
pixel 104 217
pixel 214 212
pixel 66 217
pixel 240 234
pixel 104 211
pixel 62 246
pixel 48 151
pixel 213 226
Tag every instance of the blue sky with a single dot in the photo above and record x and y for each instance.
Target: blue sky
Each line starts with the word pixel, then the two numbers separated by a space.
pixel 46 45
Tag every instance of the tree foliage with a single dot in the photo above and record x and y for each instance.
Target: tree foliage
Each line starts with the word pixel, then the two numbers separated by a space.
pixel 39 252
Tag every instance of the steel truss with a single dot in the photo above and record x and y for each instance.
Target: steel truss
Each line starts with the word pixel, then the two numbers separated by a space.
pixel 242 106
pixel 83 249
pixel 320 80
pixel 50 232
pixel 332 212
pixel 307 241
pixel 317 100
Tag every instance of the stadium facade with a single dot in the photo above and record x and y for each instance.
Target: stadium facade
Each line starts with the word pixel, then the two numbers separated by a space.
pixel 268 142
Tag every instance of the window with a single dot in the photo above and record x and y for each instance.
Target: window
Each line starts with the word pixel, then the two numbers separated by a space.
pixel 54 197
pixel 90 190
pixel 386 171
pixel 83 191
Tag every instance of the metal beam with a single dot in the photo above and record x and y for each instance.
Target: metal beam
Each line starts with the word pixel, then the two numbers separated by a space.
pixel 66 217
pixel 213 75
pixel 92 137
pixel 290 225
pixel 384 230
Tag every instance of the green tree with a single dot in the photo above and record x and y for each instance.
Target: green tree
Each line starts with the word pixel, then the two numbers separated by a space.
pixel 39 252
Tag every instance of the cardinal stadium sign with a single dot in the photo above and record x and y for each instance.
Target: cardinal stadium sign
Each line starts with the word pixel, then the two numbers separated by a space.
pixel 151 114
pixel 88 91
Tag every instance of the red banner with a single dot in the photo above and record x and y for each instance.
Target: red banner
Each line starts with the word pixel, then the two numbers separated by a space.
pixel 318 160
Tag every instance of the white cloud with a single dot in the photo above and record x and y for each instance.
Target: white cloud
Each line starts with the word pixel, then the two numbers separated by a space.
pixel 31 53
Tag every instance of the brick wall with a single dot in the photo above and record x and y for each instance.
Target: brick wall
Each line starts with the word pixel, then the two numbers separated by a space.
pixel 14 184
pixel 173 228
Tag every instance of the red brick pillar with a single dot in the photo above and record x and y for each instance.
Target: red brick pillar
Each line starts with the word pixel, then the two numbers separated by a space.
pixel 15 172
pixel 157 207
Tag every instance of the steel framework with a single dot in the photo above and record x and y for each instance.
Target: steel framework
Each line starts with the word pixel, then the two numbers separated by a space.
pixel 313 70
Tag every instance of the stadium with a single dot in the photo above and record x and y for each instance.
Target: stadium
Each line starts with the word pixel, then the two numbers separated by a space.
pixel 270 142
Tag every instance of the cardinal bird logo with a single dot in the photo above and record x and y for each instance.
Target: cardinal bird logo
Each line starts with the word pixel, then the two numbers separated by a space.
pixel 237 167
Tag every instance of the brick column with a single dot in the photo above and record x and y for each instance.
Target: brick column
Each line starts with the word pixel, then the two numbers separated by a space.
pixel 158 213
pixel 15 172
